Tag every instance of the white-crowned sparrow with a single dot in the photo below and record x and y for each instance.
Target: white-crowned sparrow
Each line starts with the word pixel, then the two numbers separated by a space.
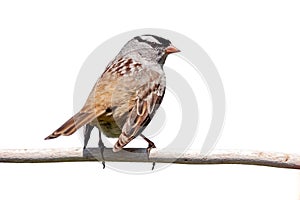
pixel 127 95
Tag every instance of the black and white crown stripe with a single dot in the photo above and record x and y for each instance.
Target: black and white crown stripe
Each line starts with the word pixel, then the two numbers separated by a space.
pixel 153 41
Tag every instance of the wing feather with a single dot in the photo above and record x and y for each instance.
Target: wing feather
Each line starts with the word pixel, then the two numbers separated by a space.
pixel 147 102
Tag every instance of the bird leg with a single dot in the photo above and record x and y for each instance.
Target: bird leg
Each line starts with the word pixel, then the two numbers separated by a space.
pixel 102 147
pixel 151 145
pixel 87 133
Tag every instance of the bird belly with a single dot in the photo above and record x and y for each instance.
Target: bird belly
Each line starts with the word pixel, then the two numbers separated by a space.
pixel 109 128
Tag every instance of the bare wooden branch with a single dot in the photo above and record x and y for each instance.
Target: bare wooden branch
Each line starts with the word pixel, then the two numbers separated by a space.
pixel 281 160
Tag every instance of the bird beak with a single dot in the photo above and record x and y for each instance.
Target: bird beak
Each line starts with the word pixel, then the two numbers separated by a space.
pixel 171 49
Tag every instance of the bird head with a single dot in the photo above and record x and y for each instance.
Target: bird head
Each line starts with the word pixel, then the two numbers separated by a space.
pixel 149 47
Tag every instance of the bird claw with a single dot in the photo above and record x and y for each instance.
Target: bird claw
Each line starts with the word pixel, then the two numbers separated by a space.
pixel 151 146
pixel 102 147
pixel 153 165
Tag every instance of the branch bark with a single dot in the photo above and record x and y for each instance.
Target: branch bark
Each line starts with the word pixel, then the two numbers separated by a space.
pixel 280 160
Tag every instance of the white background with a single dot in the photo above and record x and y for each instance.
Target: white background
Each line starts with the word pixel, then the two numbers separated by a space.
pixel 255 46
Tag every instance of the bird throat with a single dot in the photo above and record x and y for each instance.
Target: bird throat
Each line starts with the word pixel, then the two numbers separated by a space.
pixel 162 60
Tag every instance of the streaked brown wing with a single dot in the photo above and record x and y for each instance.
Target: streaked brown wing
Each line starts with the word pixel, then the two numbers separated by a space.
pixel 147 101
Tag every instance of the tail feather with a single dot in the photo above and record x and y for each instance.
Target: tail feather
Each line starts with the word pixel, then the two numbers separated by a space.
pixel 72 125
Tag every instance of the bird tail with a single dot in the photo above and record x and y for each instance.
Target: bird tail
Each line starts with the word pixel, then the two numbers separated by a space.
pixel 72 125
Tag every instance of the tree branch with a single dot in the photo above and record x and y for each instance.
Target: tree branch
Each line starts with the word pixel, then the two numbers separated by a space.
pixel 281 160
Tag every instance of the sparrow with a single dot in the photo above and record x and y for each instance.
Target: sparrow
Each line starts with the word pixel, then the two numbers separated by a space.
pixel 126 96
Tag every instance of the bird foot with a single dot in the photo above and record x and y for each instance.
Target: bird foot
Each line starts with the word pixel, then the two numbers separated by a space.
pixel 150 146
pixel 102 147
